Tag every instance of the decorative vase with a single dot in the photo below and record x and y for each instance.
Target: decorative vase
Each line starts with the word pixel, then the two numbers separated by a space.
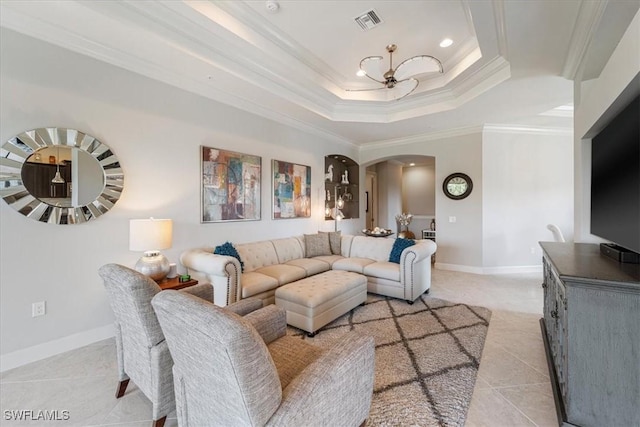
pixel 406 234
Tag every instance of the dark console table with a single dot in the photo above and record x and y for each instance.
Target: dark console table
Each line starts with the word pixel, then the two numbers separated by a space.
pixel 591 329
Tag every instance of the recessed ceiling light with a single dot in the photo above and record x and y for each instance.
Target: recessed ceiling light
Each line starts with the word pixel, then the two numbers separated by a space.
pixel 361 73
pixel 446 43
pixel 412 164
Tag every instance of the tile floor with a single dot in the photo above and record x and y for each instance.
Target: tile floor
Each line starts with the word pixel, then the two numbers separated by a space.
pixel 512 388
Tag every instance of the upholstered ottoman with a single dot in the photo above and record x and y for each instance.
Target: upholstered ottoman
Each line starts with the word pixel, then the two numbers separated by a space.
pixel 315 301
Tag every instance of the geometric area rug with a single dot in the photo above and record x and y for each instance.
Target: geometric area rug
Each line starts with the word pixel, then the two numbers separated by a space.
pixel 426 358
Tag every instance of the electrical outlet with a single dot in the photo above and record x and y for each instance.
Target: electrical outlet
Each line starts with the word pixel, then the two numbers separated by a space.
pixel 38 309
pixel 452 219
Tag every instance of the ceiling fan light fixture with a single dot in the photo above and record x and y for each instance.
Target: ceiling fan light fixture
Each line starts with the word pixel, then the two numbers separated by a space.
pixel 402 79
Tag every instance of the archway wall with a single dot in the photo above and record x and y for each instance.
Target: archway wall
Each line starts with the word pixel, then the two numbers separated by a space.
pixel 522 181
pixel 459 242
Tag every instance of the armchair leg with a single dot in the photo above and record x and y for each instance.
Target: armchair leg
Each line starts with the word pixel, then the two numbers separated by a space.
pixel 410 302
pixel 427 291
pixel 122 387
pixel 159 422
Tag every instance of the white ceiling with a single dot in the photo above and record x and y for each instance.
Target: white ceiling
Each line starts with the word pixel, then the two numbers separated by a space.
pixel 511 61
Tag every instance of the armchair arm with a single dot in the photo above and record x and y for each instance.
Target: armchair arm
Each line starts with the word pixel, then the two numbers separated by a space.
pixel 245 306
pixel 201 290
pixel 336 389
pixel 270 322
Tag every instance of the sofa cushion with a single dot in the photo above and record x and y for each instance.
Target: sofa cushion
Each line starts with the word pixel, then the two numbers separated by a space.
pixel 255 283
pixel 352 264
pixel 311 265
pixel 317 244
pixel 228 250
pixel 335 239
pixel 384 270
pixel 375 248
pixel 329 258
pixel 257 254
pixel 283 273
pixel 398 246
pixel 288 249
pixel 345 245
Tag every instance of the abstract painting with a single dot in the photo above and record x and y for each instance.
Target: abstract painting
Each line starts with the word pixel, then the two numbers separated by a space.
pixel 291 190
pixel 230 185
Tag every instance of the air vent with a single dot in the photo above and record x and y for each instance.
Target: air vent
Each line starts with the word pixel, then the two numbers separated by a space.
pixel 368 20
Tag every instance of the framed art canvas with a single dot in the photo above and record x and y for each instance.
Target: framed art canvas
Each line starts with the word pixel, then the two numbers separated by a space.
pixel 230 185
pixel 291 190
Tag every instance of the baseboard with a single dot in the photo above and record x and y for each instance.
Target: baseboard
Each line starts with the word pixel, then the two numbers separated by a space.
pixel 458 267
pixel 513 269
pixel 489 270
pixel 51 348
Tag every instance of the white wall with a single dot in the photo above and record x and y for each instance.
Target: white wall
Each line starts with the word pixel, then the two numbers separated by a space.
pixel 156 132
pixel 528 183
pixel 596 102
pixel 419 189
pixel 389 194
pixel 419 196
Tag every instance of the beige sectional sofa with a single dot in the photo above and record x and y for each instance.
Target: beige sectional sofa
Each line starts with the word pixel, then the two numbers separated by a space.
pixel 272 263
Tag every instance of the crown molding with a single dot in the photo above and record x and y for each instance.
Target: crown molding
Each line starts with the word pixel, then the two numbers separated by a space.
pixel 525 130
pixel 178 43
pixel 586 24
pixel 432 136
pixel 63 36
pixel 501 27
pixel 244 14
pixel 163 56
pixel 451 133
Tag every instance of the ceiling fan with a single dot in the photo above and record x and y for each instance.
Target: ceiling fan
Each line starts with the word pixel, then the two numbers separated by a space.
pixel 402 80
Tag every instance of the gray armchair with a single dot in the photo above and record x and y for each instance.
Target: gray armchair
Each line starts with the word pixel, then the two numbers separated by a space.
pixel 239 371
pixel 142 351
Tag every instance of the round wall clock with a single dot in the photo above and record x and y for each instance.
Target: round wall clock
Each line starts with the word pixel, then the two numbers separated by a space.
pixel 457 186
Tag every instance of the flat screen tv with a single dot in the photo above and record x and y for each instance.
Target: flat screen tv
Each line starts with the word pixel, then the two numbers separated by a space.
pixel 615 180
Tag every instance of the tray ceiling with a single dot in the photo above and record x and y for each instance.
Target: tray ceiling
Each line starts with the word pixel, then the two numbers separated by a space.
pixel 510 61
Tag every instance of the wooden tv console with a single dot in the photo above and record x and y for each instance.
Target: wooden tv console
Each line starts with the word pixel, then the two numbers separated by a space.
pixel 591 329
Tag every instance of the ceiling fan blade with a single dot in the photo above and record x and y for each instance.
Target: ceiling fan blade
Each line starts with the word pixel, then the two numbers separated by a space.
pixel 404 88
pixel 417 65
pixel 366 90
pixel 373 68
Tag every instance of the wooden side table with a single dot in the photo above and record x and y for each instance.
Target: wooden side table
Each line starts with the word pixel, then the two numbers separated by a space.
pixel 176 284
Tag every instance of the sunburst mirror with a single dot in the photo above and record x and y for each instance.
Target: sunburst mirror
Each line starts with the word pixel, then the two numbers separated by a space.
pixel 59 176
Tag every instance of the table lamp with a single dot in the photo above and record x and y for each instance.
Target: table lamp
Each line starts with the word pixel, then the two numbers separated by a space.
pixel 151 235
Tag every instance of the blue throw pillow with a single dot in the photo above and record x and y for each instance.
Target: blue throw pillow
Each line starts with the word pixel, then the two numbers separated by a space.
pixel 398 246
pixel 228 249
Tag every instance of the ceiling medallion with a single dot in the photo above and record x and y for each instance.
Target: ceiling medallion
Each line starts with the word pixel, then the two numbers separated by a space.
pixel 403 79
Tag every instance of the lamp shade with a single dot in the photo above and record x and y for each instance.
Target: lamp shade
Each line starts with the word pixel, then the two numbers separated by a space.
pixel 150 234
